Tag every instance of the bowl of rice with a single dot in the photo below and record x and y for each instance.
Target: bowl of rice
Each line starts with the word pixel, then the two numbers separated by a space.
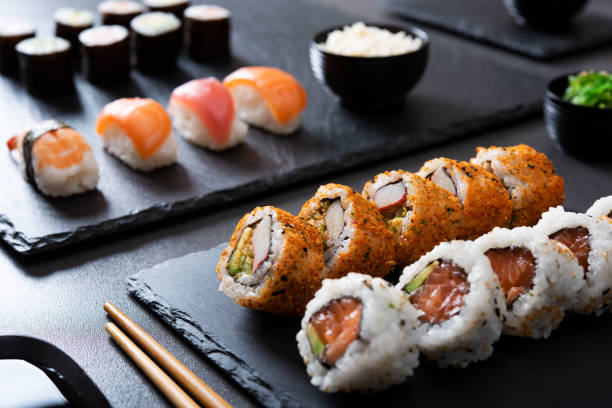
pixel 369 66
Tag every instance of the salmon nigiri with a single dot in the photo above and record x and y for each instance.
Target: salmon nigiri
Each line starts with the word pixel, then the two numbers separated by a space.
pixel 138 131
pixel 203 113
pixel 268 97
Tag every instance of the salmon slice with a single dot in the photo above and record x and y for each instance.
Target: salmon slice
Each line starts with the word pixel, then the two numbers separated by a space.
pixel 441 295
pixel 60 148
pixel 577 240
pixel 515 268
pixel 282 93
pixel 211 102
pixel 337 326
pixel 143 120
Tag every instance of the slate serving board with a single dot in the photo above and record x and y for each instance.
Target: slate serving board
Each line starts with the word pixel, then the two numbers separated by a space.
pixel 259 352
pixel 488 21
pixel 459 94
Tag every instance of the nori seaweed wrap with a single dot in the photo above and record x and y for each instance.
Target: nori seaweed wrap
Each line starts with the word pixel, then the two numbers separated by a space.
pixel 157 39
pixel 11 33
pixel 46 65
pixel 207 32
pixel 105 54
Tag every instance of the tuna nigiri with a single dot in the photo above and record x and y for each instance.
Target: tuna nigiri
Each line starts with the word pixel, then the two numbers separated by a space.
pixel 203 112
pixel 268 97
pixel 138 131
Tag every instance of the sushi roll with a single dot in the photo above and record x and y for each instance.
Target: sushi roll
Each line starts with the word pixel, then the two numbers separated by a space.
pixel 56 159
pixel 590 240
pixel 203 112
pixel 46 65
pixel 119 12
pixel 461 302
pixel 70 22
pixel 157 40
pixel 138 132
pixel 484 199
pixel 176 7
pixel 268 98
pixel 12 32
pixel 359 333
pixel 529 177
pixel 416 210
pixel 207 32
pixel 354 234
pixel 105 54
pixel 601 208
pixel 273 262
pixel 540 279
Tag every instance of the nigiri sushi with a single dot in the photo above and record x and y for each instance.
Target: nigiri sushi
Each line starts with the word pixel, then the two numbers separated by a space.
pixel 268 98
pixel 56 159
pixel 138 131
pixel 203 112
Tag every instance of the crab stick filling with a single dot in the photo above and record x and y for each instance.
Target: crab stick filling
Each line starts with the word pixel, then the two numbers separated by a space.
pixel 392 202
pixel 577 240
pixel 515 268
pixel 252 249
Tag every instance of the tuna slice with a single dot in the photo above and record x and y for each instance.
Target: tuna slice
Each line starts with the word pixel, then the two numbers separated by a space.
pixel 390 195
pixel 334 221
pixel 441 178
pixel 261 241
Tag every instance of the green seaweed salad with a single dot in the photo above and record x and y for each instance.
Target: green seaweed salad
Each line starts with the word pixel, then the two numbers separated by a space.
pixel 590 88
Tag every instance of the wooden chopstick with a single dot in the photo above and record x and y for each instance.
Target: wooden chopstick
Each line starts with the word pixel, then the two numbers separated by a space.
pixel 169 388
pixel 183 375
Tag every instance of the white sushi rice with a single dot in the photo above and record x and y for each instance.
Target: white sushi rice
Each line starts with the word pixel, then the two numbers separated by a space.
pixel 155 23
pixel 205 12
pixel 384 353
pixel 517 188
pixel 75 179
pixel 557 281
pixel 42 45
pixel 468 336
pixel 601 207
pixel 596 295
pixel 120 7
pixel 74 17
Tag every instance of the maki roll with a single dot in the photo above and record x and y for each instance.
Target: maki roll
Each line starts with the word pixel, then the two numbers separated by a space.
pixel 157 41
pixel 354 234
pixel 203 112
pixel 56 159
pixel 359 333
pixel 601 208
pixel 70 22
pixel 590 240
pixel 176 7
pixel 485 201
pixel 461 302
pixel 45 65
pixel 416 210
pixel 207 32
pixel 12 32
pixel 138 132
pixel 105 54
pixel 268 98
pixel 273 262
pixel 529 177
pixel 119 12
pixel 539 278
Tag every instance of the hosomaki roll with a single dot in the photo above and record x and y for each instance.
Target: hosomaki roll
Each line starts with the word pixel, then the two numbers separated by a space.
pixel 156 39
pixel 12 31
pixel 45 65
pixel 485 201
pixel 176 7
pixel 529 177
pixel 601 208
pixel 207 32
pixel 354 234
pixel 70 22
pixel 120 12
pixel 540 279
pixel 359 333
pixel 56 159
pixel 273 263
pixel 105 54
pixel 590 240
pixel 417 211
pixel 461 302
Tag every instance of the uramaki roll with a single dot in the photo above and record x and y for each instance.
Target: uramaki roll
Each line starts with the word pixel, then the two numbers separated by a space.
pixel 354 234
pixel 273 262
pixel 486 203
pixel 417 211
pixel 529 177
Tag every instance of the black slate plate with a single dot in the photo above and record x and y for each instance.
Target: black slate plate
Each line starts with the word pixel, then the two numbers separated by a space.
pixel 259 351
pixel 488 21
pixel 459 94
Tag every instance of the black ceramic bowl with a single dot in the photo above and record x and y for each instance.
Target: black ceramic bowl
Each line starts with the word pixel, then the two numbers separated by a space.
pixel 580 130
pixel 544 14
pixel 369 82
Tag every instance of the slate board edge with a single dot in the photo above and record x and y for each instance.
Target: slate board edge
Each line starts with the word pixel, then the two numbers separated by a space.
pixel 26 245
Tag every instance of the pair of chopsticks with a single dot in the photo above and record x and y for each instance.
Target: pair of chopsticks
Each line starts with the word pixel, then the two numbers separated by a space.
pixel 198 389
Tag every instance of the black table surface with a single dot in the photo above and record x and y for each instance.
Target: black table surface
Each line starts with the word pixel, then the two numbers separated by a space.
pixel 58 296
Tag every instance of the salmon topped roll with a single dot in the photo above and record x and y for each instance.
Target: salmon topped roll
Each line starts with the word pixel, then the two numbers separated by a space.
pixel 354 234
pixel 419 213
pixel 359 333
pixel 273 262
pixel 267 97
pixel 56 159
pixel 529 177
pixel 203 112
pixel 601 208
pixel 485 201
pixel 138 132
